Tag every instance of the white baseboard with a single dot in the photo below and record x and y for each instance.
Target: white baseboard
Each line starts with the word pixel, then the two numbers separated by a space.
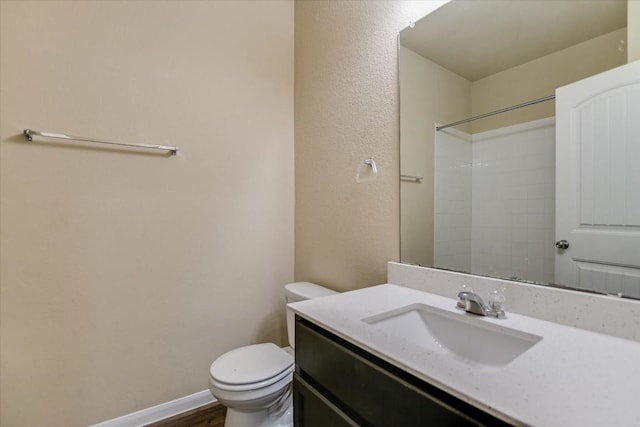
pixel 160 412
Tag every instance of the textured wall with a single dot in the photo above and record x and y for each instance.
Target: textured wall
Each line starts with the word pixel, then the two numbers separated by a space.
pixel 346 110
pixel 123 275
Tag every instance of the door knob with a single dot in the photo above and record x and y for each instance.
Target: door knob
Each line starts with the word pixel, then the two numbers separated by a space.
pixel 562 244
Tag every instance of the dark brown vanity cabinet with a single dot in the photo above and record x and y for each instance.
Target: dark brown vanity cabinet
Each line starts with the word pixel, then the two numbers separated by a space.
pixel 339 384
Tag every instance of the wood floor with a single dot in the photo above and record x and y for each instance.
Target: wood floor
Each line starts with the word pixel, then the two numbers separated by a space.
pixel 211 415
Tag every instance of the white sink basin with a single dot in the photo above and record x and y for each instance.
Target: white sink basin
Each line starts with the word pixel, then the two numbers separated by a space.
pixel 460 335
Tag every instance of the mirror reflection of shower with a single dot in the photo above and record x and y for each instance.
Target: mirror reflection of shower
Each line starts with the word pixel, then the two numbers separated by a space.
pixel 495 201
pixel 486 199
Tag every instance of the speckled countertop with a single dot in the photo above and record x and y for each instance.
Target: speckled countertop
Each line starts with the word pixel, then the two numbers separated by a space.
pixel 572 377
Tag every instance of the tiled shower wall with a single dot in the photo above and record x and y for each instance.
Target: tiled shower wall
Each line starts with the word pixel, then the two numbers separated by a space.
pixel 511 201
pixel 452 220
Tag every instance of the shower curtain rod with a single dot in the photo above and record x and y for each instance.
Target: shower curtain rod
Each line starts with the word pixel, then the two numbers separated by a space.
pixel 493 113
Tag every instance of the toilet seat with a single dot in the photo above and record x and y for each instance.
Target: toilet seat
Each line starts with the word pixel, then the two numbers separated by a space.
pixel 251 367
pixel 252 386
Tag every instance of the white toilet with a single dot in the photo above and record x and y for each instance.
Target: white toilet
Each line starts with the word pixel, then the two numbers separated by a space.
pixel 254 382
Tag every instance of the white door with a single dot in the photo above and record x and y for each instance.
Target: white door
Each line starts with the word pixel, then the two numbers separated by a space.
pixel 598 182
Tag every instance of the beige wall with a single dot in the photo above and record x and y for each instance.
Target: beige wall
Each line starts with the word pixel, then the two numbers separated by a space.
pixel 633 20
pixel 346 110
pixel 429 94
pixel 123 276
pixel 540 78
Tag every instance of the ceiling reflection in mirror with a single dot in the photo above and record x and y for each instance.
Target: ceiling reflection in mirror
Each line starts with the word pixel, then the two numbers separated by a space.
pixel 480 197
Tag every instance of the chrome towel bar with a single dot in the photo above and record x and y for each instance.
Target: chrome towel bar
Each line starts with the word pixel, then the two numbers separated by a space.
pixel 29 134
pixel 412 178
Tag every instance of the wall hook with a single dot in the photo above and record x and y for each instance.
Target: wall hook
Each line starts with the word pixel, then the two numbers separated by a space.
pixel 364 177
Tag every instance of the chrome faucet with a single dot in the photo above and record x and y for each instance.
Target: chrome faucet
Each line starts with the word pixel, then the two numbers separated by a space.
pixel 472 303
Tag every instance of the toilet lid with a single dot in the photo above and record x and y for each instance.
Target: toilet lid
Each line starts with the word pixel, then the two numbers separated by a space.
pixel 250 364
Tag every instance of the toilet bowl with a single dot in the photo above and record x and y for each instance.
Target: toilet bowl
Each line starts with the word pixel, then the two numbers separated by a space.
pixel 254 381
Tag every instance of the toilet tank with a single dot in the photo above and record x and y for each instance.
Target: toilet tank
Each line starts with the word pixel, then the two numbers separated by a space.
pixel 301 291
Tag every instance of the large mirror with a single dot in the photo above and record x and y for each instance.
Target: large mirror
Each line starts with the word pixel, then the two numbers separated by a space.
pixel 480 196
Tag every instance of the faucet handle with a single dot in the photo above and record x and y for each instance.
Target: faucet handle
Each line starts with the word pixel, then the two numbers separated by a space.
pixel 496 299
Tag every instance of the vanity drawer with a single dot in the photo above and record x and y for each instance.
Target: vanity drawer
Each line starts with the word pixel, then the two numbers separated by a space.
pixel 370 391
pixel 312 409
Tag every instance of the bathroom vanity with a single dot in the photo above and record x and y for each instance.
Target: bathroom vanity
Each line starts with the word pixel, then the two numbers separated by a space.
pixel 390 355
pixel 339 384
